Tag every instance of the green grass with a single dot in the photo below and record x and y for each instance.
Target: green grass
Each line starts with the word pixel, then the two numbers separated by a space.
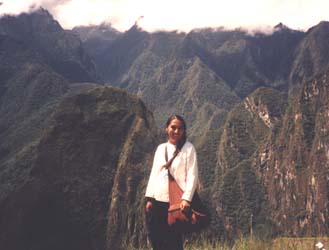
pixel 247 243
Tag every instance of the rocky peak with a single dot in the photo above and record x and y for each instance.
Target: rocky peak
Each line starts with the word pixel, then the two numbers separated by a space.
pixel 27 24
pixel 61 50
pixel 320 27
pixel 103 32
pixel 280 27
pixel 124 51
pixel 41 19
pixel 135 30
pixel 312 54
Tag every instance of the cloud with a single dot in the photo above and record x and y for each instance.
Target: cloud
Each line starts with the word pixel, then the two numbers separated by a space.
pixel 179 15
pixel 16 6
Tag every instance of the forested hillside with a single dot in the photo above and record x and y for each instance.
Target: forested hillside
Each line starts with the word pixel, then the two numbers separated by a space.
pixel 82 110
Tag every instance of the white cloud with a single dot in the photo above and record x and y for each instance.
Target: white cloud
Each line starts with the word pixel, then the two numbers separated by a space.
pixel 18 6
pixel 182 14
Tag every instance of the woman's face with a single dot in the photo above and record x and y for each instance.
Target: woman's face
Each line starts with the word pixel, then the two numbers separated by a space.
pixel 175 131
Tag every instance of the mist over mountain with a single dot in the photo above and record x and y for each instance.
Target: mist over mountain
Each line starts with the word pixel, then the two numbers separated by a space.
pixel 59 48
pixel 75 155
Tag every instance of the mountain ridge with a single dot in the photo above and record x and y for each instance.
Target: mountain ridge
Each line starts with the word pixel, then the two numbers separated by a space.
pixel 256 108
pixel 61 49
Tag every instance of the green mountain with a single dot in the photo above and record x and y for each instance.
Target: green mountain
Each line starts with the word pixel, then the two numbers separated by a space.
pixel 75 156
pixel 239 193
pixel 82 176
pixel 206 68
pixel 278 149
pixel 295 160
pixel 29 90
pixel 236 91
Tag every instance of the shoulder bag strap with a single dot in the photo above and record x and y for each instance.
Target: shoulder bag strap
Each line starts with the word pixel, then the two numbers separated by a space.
pixel 168 164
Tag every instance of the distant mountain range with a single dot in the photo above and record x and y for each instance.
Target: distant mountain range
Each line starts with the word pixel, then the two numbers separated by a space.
pixel 80 112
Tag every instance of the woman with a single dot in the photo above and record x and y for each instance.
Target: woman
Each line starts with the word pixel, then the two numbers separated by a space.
pixel 185 171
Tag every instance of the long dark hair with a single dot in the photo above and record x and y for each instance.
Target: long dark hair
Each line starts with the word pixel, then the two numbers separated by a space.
pixel 182 141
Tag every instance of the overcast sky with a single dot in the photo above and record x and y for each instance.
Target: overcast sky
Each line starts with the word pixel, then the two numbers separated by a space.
pixel 179 14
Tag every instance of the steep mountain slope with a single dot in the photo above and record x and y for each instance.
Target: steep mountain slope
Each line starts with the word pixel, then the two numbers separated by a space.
pixel 294 164
pixel 274 54
pixel 116 58
pixel 169 78
pixel 238 193
pixel 62 50
pixel 28 91
pixel 245 61
pixel 311 56
pixel 73 157
pixel 97 40
pixel 83 176
pixel 157 66
pixel 273 162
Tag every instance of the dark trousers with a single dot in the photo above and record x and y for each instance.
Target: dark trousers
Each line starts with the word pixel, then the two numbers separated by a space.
pixel 162 237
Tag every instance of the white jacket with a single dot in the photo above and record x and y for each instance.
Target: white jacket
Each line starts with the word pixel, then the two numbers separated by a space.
pixel 184 169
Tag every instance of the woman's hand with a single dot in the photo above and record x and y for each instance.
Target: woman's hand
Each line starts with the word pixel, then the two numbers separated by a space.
pixel 185 205
pixel 148 206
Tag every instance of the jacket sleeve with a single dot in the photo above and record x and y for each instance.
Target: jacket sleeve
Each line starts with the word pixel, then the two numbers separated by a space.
pixel 191 175
pixel 153 176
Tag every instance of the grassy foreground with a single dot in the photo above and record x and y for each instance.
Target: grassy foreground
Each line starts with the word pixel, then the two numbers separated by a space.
pixel 283 243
